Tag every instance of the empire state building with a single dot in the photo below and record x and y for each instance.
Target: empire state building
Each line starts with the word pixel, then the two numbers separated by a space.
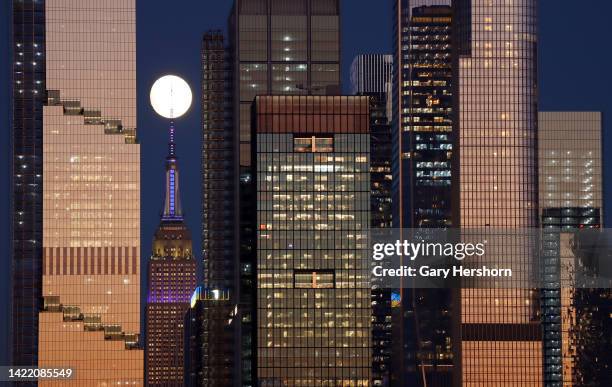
pixel 172 279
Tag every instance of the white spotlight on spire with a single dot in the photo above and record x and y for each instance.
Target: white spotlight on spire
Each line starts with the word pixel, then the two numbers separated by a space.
pixel 170 96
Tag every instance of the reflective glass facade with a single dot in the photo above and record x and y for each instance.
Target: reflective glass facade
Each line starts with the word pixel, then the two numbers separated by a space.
pixel 497 120
pixel 277 47
pixel 371 73
pixel 282 47
pixel 570 184
pixel 91 197
pixel 313 210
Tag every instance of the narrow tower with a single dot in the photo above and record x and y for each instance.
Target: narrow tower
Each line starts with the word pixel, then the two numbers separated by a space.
pixel 172 279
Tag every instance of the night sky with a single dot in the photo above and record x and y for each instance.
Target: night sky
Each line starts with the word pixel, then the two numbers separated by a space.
pixel 575 69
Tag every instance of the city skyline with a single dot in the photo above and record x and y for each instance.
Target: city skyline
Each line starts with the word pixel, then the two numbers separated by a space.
pixel 149 133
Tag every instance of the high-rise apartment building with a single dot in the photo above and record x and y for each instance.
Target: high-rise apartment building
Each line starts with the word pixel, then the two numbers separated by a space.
pixel 423 157
pixel 218 166
pixel 570 198
pixel 171 283
pixel 311 157
pixel 90 319
pixel 500 332
pixel 214 359
pixel 28 75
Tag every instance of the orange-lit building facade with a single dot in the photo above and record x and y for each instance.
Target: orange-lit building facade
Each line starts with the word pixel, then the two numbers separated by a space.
pixel 497 118
pixel 571 201
pixel 312 158
pixel 91 195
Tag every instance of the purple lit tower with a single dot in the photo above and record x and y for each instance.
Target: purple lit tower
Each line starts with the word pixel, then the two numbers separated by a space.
pixel 172 280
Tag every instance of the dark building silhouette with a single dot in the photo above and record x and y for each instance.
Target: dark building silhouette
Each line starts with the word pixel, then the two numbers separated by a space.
pixel 209 334
pixel 29 95
pixel 171 282
pixel 380 217
pixel 423 142
pixel 214 340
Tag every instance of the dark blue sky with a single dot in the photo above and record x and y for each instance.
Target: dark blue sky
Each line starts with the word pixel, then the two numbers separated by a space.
pixel 575 74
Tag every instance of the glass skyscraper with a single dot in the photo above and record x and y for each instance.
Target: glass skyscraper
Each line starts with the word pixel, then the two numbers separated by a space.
pixel 171 282
pixel 371 73
pixel 28 74
pixel 311 156
pixel 501 337
pixel 423 164
pixel 214 349
pixel 90 319
pixel 276 47
pixel 371 76
pixel 570 187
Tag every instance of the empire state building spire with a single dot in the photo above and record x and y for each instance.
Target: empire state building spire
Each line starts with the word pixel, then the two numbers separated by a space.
pixel 172 202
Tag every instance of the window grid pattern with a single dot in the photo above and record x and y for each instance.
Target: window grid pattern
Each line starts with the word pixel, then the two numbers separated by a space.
pixel 313 213
pixel 91 198
pixel 498 186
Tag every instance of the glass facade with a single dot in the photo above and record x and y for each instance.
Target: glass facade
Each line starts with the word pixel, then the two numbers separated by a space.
pixel 380 217
pixel 217 165
pixel 371 73
pixel 91 198
pixel 209 331
pixel 277 47
pixel 313 211
pixel 497 119
pixel 28 74
pixel 423 157
pixel 213 340
pixel 570 186
pixel 282 47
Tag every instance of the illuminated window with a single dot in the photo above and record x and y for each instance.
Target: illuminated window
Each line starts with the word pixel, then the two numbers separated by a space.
pixel 307 279
pixel 313 144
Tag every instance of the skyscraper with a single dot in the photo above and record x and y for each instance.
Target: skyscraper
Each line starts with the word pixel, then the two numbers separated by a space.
pixel 380 217
pixel 311 156
pixel 218 164
pixel 423 161
pixel 371 76
pixel 282 47
pixel 215 340
pixel 276 47
pixel 172 280
pixel 372 73
pixel 29 59
pixel 209 336
pixel 90 319
pixel 570 197
pixel 497 123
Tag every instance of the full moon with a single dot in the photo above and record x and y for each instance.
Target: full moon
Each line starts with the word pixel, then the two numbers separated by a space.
pixel 170 96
